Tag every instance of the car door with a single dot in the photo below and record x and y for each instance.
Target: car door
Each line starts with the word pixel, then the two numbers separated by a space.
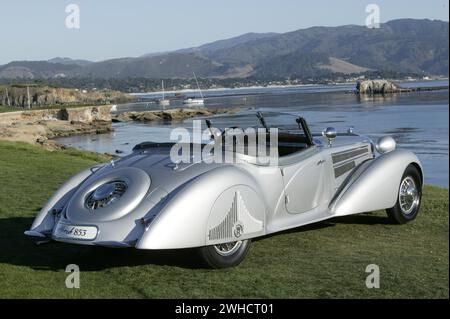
pixel 304 183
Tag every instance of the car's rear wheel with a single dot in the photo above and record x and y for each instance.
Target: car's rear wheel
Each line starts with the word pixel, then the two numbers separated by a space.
pixel 224 255
pixel 409 197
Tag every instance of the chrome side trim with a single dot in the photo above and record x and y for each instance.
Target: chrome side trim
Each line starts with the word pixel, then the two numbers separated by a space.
pixel 345 155
pixel 342 169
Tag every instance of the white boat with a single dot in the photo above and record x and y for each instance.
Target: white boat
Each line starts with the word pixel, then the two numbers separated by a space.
pixel 163 101
pixel 194 100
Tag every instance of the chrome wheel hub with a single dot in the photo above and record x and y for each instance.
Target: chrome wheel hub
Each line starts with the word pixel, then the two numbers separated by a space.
pixel 228 248
pixel 408 196
pixel 105 194
pixel 104 191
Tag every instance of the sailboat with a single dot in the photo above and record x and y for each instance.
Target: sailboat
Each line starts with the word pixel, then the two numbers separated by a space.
pixel 163 101
pixel 193 100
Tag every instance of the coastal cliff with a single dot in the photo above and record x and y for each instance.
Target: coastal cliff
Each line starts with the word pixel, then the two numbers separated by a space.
pixel 35 96
pixel 39 126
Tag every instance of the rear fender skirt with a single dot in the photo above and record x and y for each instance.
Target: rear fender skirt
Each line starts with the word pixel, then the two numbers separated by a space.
pixel 219 206
pixel 375 185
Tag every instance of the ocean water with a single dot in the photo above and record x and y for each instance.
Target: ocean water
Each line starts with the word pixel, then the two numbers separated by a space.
pixel 417 121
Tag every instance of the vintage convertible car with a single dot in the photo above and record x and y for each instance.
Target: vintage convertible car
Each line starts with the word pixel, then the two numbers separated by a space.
pixel 147 201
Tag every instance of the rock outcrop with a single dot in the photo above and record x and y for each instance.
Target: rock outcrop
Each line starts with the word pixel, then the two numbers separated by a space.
pixel 171 115
pixel 86 115
pixel 38 127
pixel 377 87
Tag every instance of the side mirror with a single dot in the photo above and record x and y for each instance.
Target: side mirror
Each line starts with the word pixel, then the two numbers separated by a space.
pixel 330 134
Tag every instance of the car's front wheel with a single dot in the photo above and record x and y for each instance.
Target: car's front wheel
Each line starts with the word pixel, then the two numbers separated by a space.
pixel 224 255
pixel 409 197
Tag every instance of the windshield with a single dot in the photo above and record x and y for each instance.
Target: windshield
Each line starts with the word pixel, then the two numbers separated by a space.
pixel 284 122
pixel 287 133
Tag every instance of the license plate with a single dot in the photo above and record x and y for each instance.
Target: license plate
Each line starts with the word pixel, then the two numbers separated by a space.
pixel 67 231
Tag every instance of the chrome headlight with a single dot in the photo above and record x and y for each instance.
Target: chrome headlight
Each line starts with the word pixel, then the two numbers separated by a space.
pixel 386 144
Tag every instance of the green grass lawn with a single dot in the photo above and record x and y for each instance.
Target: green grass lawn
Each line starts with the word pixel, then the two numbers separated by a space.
pixel 323 260
pixel 4 109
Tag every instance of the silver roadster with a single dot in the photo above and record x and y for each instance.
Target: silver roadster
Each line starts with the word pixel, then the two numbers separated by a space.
pixel 148 200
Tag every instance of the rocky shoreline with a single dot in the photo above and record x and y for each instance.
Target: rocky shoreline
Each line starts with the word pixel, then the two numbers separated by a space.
pixel 171 115
pixel 39 127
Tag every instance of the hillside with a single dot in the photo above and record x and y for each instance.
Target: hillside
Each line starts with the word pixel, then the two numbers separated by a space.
pixel 62 60
pixel 171 65
pixel 36 69
pixel 405 46
pixel 401 45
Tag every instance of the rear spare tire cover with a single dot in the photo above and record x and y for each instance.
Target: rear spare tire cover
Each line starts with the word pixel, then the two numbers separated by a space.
pixel 137 184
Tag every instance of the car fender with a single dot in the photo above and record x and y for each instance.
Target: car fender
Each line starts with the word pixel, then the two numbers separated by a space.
pixel 44 220
pixel 374 185
pixel 218 206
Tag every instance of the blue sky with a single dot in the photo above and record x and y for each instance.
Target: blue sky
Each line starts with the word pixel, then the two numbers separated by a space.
pixel 35 30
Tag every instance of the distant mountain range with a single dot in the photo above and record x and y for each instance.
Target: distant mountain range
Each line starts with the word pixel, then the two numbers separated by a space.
pixel 66 61
pixel 405 45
